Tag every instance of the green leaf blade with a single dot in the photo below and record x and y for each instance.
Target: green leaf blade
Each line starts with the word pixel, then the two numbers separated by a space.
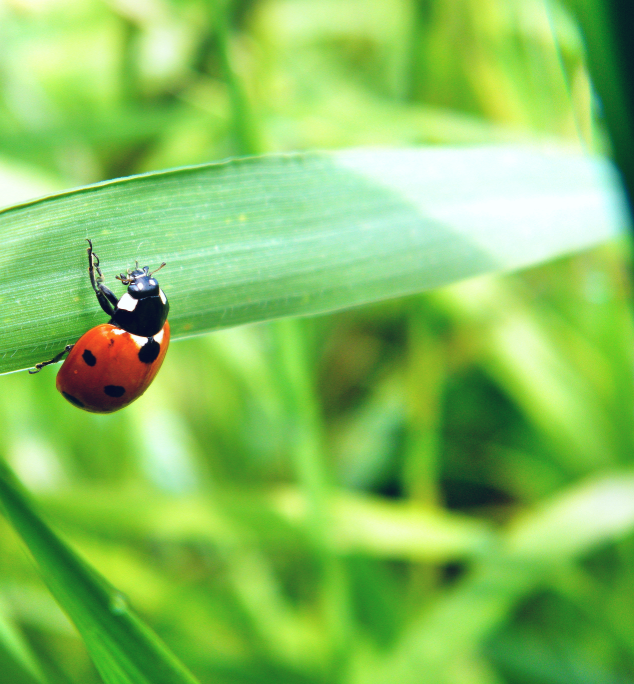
pixel 123 648
pixel 283 235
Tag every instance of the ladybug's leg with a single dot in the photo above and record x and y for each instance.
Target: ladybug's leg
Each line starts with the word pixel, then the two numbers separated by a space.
pixel 55 359
pixel 106 298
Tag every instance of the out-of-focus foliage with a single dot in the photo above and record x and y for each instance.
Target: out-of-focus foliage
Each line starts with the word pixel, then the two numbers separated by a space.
pixel 611 63
pixel 432 489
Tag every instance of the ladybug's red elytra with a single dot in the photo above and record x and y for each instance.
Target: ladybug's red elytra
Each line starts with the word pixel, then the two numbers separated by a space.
pixel 114 363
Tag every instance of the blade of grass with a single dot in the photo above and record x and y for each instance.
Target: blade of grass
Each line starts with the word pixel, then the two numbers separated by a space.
pixel 307 452
pixel 15 653
pixel 124 649
pixel 275 236
pixel 610 57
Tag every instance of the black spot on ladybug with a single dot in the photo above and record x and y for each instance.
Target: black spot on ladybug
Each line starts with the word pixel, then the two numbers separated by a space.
pixel 111 341
pixel 149 351
pixel 71 398
pixel 89 357
pixel 114 390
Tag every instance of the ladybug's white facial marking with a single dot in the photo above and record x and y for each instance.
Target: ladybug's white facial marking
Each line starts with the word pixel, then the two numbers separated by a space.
pixel 159 336
pixel 163 297
pixel 127 302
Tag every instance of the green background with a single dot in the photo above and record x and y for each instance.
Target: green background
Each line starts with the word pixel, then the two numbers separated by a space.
pixel 436 488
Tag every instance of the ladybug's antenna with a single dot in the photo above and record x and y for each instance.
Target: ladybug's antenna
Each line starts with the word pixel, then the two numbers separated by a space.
pixel 127 278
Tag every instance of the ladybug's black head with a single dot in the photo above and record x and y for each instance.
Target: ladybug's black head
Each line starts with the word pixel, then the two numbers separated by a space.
pixel 141 282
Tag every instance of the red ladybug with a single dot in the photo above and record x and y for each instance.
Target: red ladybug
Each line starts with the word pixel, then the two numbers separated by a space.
pixel 114 363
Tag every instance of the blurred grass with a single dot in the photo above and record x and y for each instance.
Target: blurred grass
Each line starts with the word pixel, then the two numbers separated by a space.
pixel 435 488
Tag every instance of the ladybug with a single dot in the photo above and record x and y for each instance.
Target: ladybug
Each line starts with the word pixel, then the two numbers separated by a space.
pixel 114 363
